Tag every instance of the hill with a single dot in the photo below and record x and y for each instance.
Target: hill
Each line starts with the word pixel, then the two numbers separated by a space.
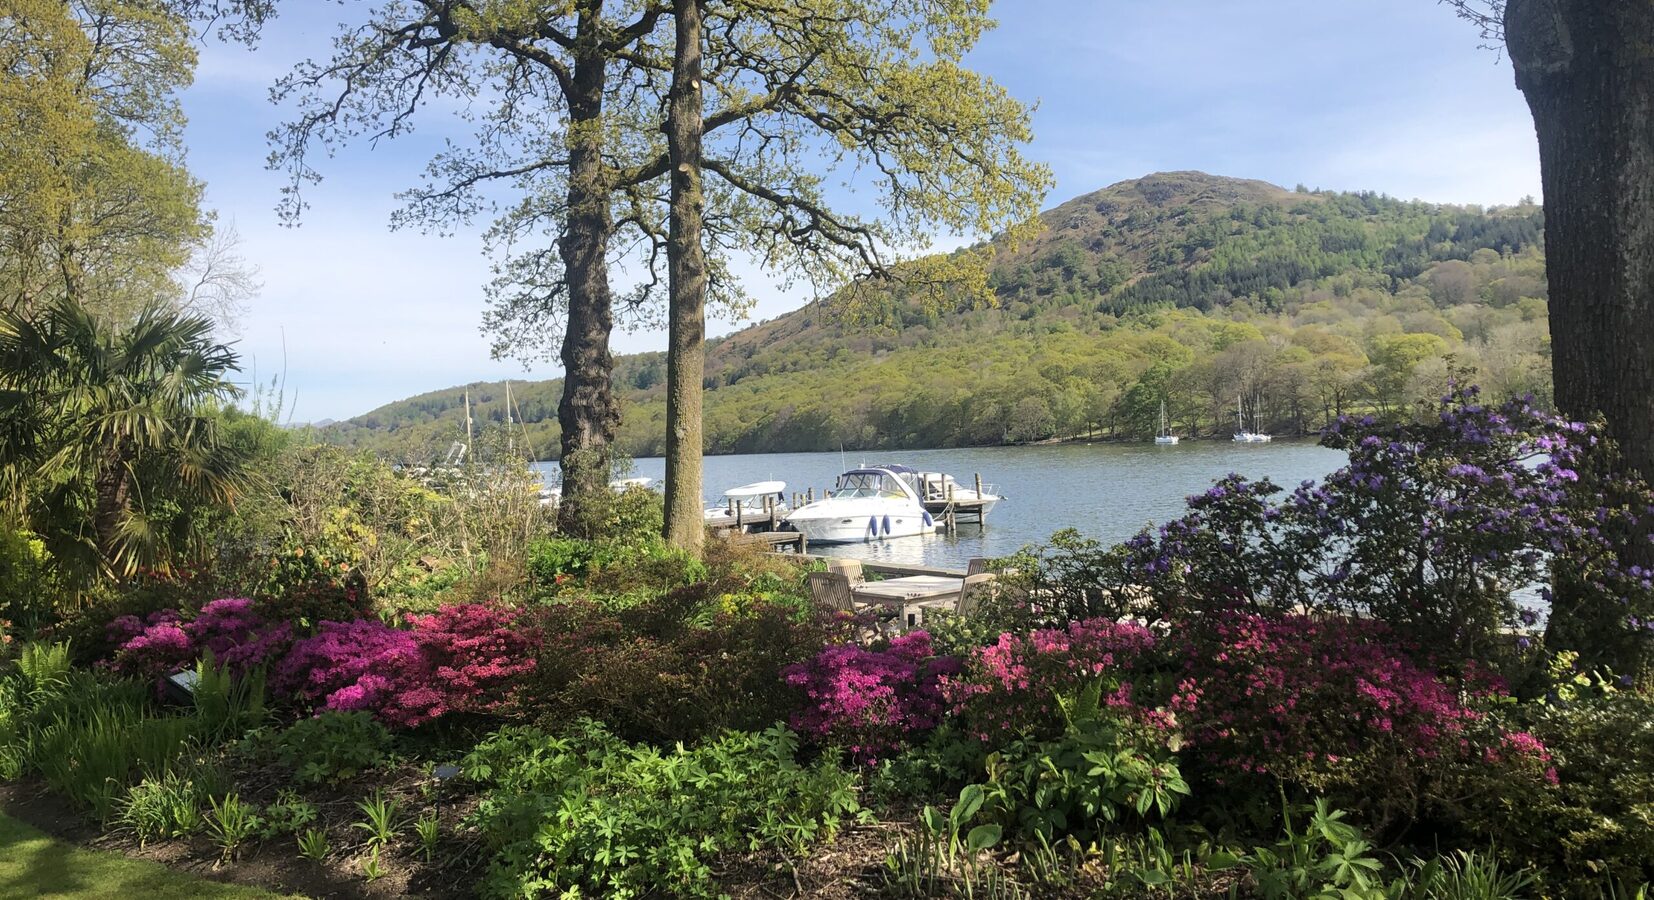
pixel 1184 287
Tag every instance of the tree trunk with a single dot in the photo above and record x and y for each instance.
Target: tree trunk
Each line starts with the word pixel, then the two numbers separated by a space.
pixel 112 489
pixel 1587 70
pixel 587 412
pixel 686 264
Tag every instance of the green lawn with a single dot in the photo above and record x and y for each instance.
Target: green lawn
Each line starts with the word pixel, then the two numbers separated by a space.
pixel 34 865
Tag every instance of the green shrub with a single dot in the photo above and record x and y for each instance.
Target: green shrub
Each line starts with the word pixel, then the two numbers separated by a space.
pixel 1597 822
pixel 232 822
pixel 1098 772
pixel 289 814
pixel 90 753
pixel 585 812
pixel 653 672
pixel 1329 858
pixel 330 748
pixel 168 806
pixel 28 584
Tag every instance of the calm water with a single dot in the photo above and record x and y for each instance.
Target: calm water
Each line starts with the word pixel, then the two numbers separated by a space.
pixel 1106 491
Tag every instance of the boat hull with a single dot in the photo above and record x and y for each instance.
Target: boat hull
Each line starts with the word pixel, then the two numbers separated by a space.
pixel 855 526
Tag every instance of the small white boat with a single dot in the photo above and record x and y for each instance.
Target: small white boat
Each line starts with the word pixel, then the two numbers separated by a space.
pixel 622 485
pixel 1242 435
pixel 1164 437
pixel 749 502
pixel 551 495
pixel 940 488
pixel 868 504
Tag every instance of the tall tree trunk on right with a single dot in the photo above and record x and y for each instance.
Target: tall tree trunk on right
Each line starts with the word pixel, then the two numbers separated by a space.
pixel 686 263
pixel 587 413
pixel 1586 68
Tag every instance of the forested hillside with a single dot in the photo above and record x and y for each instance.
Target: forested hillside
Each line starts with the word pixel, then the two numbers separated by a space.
pixel 1183 287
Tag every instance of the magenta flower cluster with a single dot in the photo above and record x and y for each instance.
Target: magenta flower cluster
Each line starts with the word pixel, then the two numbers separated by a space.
pixel 165 641
pixel 463 658
pixel 1010 687
pixel 871 702
pixel 1297 696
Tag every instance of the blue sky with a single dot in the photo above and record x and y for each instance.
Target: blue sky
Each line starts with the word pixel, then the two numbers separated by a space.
pixel 1386 95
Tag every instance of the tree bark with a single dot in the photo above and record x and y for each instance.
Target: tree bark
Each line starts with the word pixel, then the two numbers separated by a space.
pixel 587 413
pixel 686 266
pixel 1586 68
pixel 112 488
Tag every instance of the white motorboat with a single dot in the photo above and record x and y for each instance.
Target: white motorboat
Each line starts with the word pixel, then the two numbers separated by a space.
pixel 749 502
pixel 936 488
pixel 1164 436
pixel 1242 435
pixel 622 485
pixel 868 504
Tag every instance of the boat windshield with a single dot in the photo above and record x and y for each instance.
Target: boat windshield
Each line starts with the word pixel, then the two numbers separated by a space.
pixel 867 484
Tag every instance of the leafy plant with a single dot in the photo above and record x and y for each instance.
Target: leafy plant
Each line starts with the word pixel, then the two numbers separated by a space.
pixel 429 829
pixel 371 868
pixel 232 822
pixel 329 748
pixel 383 819
pixel 289 814
pixel 1328 859
pixel 313 844
pixel 1099 770
pixel 164 807
pixel 1467 875
pixel 587 812
pixel 944 857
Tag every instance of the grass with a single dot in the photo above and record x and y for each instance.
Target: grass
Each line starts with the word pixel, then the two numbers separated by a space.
pixel 34 865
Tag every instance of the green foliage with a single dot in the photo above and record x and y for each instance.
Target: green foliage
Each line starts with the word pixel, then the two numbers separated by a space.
pixel 226 706
pixel 111 427
pixel 232 822
pixel 313 844
pixel 944 857
pixel 673 667
pixel 289 814
pixel 1598 821
pixel 587 812
pixel 1467 875
pixel 428 828
pixel 1099 772
pixel 165 807
pixel 329 748
pixel 28 581
pixel 1329 859
pixel 383 819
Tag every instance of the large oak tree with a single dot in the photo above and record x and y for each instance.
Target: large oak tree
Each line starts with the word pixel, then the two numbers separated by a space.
pixel 556 105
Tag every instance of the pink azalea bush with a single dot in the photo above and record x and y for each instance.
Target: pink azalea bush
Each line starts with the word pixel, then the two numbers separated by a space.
pixel 165 641
pixel 871 702
pixel 464 657
pixel 1323 701
pixel 1010 687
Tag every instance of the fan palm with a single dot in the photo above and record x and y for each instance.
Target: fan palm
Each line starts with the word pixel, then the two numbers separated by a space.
pixel 100 426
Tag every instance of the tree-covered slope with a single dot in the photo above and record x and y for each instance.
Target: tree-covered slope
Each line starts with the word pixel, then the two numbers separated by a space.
pixel 1183 287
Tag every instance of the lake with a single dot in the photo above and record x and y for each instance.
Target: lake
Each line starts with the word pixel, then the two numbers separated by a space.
pixel 1106 491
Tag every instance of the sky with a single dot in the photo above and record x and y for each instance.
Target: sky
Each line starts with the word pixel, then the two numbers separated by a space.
pixel 1394 96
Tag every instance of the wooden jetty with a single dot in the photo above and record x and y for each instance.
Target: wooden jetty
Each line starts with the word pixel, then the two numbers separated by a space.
pixel 950 511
